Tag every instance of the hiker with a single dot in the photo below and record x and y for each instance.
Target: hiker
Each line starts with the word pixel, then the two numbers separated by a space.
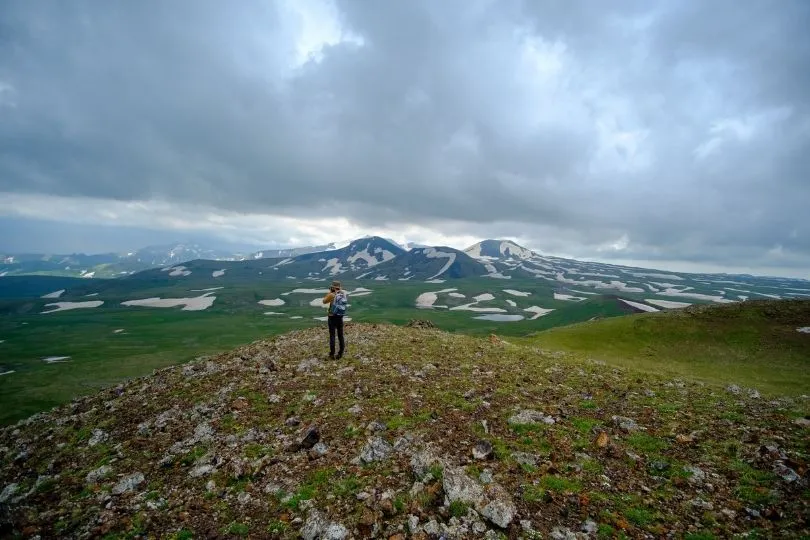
pixel 337 302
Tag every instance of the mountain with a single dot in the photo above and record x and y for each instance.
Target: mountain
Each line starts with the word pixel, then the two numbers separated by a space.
pixel 499 249
pixel 424 264
pixel 291 252
pixel 359 255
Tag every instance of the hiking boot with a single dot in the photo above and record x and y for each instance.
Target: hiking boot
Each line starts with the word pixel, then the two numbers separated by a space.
pixel 339 356
pixel 332 356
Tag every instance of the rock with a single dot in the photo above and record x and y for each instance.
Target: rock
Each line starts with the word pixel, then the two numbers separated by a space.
pixel 202 433
pixel 701 504
pixel 659 466
pixel 211 486
pixel 320 449
pixel 355 409
pixel 563 533
pixel 500 511
pixel 128 483
pixel 416 488
pixel 753 393
pixel 785 473
pixel 524 458
pixel 485 477
pixel 375 427
pixel 526 525
pixel 98 436
pixel 460 487
pixel 315 526
pixel 387 507
pixel 292 421
pixel 482 450
pixel 733 389
pixel 200 470
pixel 696 474
pixel 274 398
pixel 469 394
pixel 8 492
pixel 648 393
pixel 308 365
pixel 413 523
pixel 244 498
pixel 684 439
pixel 94 476
pixel 479 527
pixel 431 527
pixel 589 527
pixel 376 449
pixel 421 463
pixel 730 514
pixel 310 437
pixel 602 439
pixel 529 416
pixel 627 424
pixel 803 422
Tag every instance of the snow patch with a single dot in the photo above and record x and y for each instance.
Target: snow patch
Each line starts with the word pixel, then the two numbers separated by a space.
pixel 516 293
pixel 434 281
pixel 274 302
pixel 118 331
pixel 618 285
pixel 325 318
pixel 637 305
pixel 179 271
pixel 65 306
pixel 364 255
pixel 699 296
pixel 282 263
pixel 206 290
pixel 511 303
pixel 667 304
pixel 559 296
pixel 483 297
pixel 433 253
pixel 426 300
pixel 296 317
pixel 6 372
pixel 306 291
pixel 804 329
pixel 538 311
pixel 196 303
pixel 456 295
pixel 317 302
pixel 500 318
pixel 54 294
pixel 333 265
pixel 91 294
pixel 381 278
pixel 272 313
pixel 657 276
pixel 55 359
pixel 218 273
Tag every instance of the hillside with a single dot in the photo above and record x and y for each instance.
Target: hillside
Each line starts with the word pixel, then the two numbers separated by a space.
pixel 426 264
pixel 416 432
pixel 755 343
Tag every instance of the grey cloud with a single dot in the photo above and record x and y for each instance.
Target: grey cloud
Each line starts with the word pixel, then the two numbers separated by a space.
pixel 683 125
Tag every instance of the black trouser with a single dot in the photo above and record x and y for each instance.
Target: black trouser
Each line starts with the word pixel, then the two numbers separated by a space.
pixel 336 325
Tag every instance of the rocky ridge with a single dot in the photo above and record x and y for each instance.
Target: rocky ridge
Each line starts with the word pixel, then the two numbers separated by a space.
pixel 416 433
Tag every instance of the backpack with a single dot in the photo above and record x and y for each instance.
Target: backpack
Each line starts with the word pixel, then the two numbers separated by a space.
pixel 340 304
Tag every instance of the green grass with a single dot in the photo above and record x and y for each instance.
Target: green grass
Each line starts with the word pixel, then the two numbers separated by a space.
pixel 646 443
pixel 753 344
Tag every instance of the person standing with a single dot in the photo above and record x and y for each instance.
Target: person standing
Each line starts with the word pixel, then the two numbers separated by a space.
pixel 337 301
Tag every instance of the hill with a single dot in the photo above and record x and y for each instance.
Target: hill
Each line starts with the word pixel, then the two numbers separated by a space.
pixel 755 343
pixel 416 432
pixel 426 264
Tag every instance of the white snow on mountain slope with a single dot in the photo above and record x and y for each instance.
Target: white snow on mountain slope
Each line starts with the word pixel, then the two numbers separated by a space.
pixel 364 255
pixel 699 296
pixel 511 303
pixel 637 305
pixel 657 276
pixel 456 295
pixel 333 265
pixel 179 271
pixel 283 262
pixel 618 285
pixel 560 296
pixel 433 253
pixel 513 292
pixel 197 303
pixel 667 304
pixel 434 281
pixel 274 302
pixel 54 294
pixel 65 306
pixel 218 273
pixel 538 311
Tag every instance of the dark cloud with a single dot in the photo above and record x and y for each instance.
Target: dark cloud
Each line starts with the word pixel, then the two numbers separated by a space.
pixel 682 126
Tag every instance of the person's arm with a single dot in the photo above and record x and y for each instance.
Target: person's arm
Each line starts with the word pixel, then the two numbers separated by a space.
pixel 328 298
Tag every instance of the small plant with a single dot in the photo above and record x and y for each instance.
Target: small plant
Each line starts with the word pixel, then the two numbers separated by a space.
pixel 584 425
pixel 437 471
pixel 639 516
pixel 347 486
pixel 183 534
pixel 646 443
pixel 533 493
pixel 458 509
pixel 560 484
pixel 605 531
pixel 239 529
pixel 399 503
pixel 276 527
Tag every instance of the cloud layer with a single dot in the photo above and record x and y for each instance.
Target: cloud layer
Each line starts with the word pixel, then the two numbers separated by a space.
pixel 675 131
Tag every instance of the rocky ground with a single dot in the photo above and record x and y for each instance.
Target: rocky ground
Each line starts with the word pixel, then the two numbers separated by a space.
pixel 416 433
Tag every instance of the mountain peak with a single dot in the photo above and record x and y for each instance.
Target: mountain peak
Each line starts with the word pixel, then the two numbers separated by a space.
pixel 499 249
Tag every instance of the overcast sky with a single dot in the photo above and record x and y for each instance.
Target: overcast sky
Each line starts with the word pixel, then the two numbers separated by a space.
pixel 673 134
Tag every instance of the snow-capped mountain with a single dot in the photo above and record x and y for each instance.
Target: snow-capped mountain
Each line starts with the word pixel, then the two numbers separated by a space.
pixel 426 264
pixel 291 252
pixel 358 255
pixel 498 249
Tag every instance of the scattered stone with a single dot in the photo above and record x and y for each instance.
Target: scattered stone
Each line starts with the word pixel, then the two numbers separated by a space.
pixel 753 393
pixel 460 487
pixel 292 421
pixel 128 483
pixel 355 409
pixel 648 393
pixel 200 470
pixel 244 498
pixel 413 523
pixel 308 365
pixel 590 526
pixel 524 458
pixel 804 422
pixel 528 416
pixel 659 466
pixel 733 389
pixel 696 474
pixel 684 439
pixel 482 450
pixel 320 449
pixel 376 449
pixel 211 486
pixel 730 514
pixel 274 398
pixel 96 475
pixel 469 394
pixel 701 504
pixel 627 424
pixel 500 510
pixel 602 439
pixel 485 477
pixel 563 533
pixel 785 473
pixel 526 525
pixel 8 492
pixel 315 526
pixel 98 437
pixel 421 463
pixel 375 427
pixel 311 437
pixel 431 527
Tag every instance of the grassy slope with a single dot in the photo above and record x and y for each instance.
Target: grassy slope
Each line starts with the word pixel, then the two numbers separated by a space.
pixel 444 392
pixel 754 343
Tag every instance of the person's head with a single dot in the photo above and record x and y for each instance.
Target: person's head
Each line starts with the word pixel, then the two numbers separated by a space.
pixel 335 286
